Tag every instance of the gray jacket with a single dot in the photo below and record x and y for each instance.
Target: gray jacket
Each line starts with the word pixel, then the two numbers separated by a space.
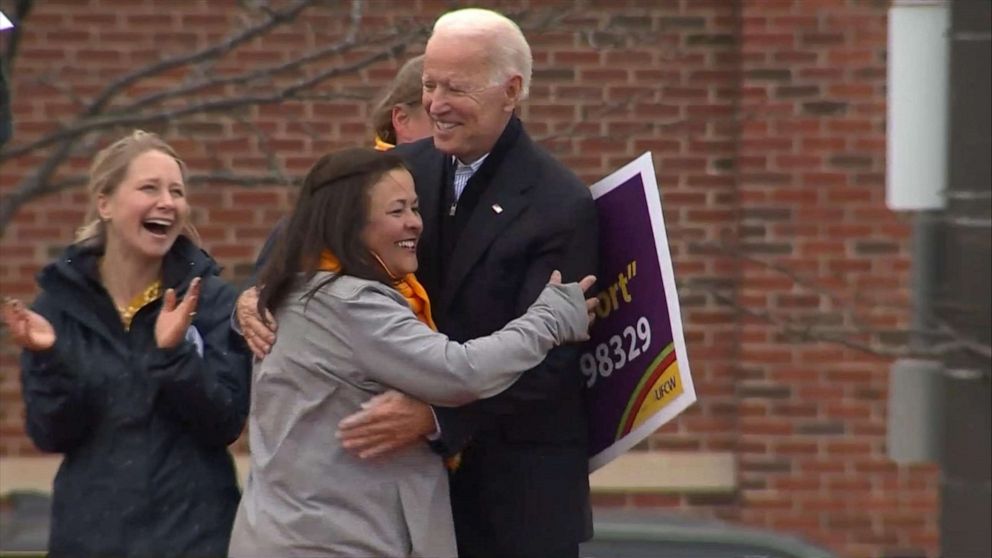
pixel 307 496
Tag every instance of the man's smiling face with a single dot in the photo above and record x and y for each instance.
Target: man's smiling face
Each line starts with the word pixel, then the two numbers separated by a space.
pixel 469 108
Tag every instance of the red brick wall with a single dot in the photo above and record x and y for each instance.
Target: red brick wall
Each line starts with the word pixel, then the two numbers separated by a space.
pixel 766 121
pixel 812 189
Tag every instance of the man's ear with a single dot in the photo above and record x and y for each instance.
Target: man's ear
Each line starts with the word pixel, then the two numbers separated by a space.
pixel 103 206
pixel 512 91
pixel 399 117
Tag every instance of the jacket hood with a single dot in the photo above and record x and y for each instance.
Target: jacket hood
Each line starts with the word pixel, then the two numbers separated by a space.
pixel 79 265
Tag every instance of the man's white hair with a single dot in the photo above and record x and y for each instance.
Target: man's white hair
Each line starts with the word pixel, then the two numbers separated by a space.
pixel 510 51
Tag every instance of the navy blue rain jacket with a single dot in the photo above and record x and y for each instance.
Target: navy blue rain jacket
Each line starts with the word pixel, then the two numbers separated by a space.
pixel 144 431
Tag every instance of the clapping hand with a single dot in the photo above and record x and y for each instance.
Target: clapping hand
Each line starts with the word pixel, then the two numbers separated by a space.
pixel 175 319
pixel 28 329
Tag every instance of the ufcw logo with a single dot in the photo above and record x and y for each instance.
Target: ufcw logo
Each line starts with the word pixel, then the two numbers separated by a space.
pixel 666 388
pixel 659 385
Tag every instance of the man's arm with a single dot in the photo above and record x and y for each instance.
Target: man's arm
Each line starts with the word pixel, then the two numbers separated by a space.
pixel 258 334
pixel 575 251
pixel 389 421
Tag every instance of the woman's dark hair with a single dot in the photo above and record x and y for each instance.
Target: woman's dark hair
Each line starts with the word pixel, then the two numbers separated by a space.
pixel 330 214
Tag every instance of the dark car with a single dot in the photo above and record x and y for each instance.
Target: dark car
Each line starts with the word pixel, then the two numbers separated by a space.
pixel 619 534
pixel 24 520
pixel 651 534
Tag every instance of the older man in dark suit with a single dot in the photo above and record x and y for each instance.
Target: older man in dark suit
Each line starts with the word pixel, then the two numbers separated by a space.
pixel 500 214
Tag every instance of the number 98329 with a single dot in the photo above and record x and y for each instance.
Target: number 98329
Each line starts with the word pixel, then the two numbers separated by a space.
pixel 616 352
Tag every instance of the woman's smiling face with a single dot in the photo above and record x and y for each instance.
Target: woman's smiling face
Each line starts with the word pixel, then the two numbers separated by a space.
pixel 148 209
pixel 394 225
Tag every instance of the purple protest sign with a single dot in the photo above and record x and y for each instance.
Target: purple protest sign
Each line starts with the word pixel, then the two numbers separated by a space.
pixel 635 363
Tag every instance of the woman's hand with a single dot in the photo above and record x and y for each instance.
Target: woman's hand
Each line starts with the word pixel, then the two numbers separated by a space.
pixel 258 334
pixel 586 283
pixel 174 319
pixel 29 330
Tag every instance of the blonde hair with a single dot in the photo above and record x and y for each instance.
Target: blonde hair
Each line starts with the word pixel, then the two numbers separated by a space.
pixel 406 89
pixel 510 52
pixel 108 170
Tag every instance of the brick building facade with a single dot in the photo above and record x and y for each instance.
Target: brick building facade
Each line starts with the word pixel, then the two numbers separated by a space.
pixel 766 119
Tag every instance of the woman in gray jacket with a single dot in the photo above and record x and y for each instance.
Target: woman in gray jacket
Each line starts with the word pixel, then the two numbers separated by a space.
pixel 353 322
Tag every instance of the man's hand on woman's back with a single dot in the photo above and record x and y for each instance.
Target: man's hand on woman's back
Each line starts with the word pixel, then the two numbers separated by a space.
pixel 258 334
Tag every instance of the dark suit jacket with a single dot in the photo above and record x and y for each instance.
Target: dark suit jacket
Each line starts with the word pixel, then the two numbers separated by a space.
pixel 523 486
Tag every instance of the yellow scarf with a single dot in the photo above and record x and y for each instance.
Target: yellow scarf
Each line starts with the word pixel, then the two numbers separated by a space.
pixel 142 299
pixel 151 293
pixel 382 145
pixel 408 286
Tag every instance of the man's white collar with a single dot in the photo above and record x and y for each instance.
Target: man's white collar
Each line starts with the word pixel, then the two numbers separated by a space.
pixel 475 165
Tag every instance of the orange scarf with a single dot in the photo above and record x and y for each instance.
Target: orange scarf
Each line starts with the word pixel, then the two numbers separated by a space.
pixel 382 145
pixel 408 286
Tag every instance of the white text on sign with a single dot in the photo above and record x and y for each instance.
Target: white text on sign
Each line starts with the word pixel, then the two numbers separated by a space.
pixel 616 352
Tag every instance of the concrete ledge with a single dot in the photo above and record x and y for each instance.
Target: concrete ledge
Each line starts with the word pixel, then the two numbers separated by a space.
pixel 642 471
pixel 28 473
pixel 631 472
pixel 37 473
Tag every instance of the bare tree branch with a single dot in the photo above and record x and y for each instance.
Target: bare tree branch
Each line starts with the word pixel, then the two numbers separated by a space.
pixel 118 120
pixel 220 177
pixel 263 143
pixel 55 83
pixel 394 44
pixel 854 332
pixel 261 74
pixel 275 19
pixel 847 308
pixel 245 180
pixel 867 340
pixel 607 109
pixel 120 84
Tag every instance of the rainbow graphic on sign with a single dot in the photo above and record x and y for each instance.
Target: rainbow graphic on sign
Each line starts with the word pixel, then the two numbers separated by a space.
pixel 657 388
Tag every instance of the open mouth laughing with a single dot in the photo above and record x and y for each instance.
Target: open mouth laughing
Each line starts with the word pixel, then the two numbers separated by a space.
pixel 158 227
